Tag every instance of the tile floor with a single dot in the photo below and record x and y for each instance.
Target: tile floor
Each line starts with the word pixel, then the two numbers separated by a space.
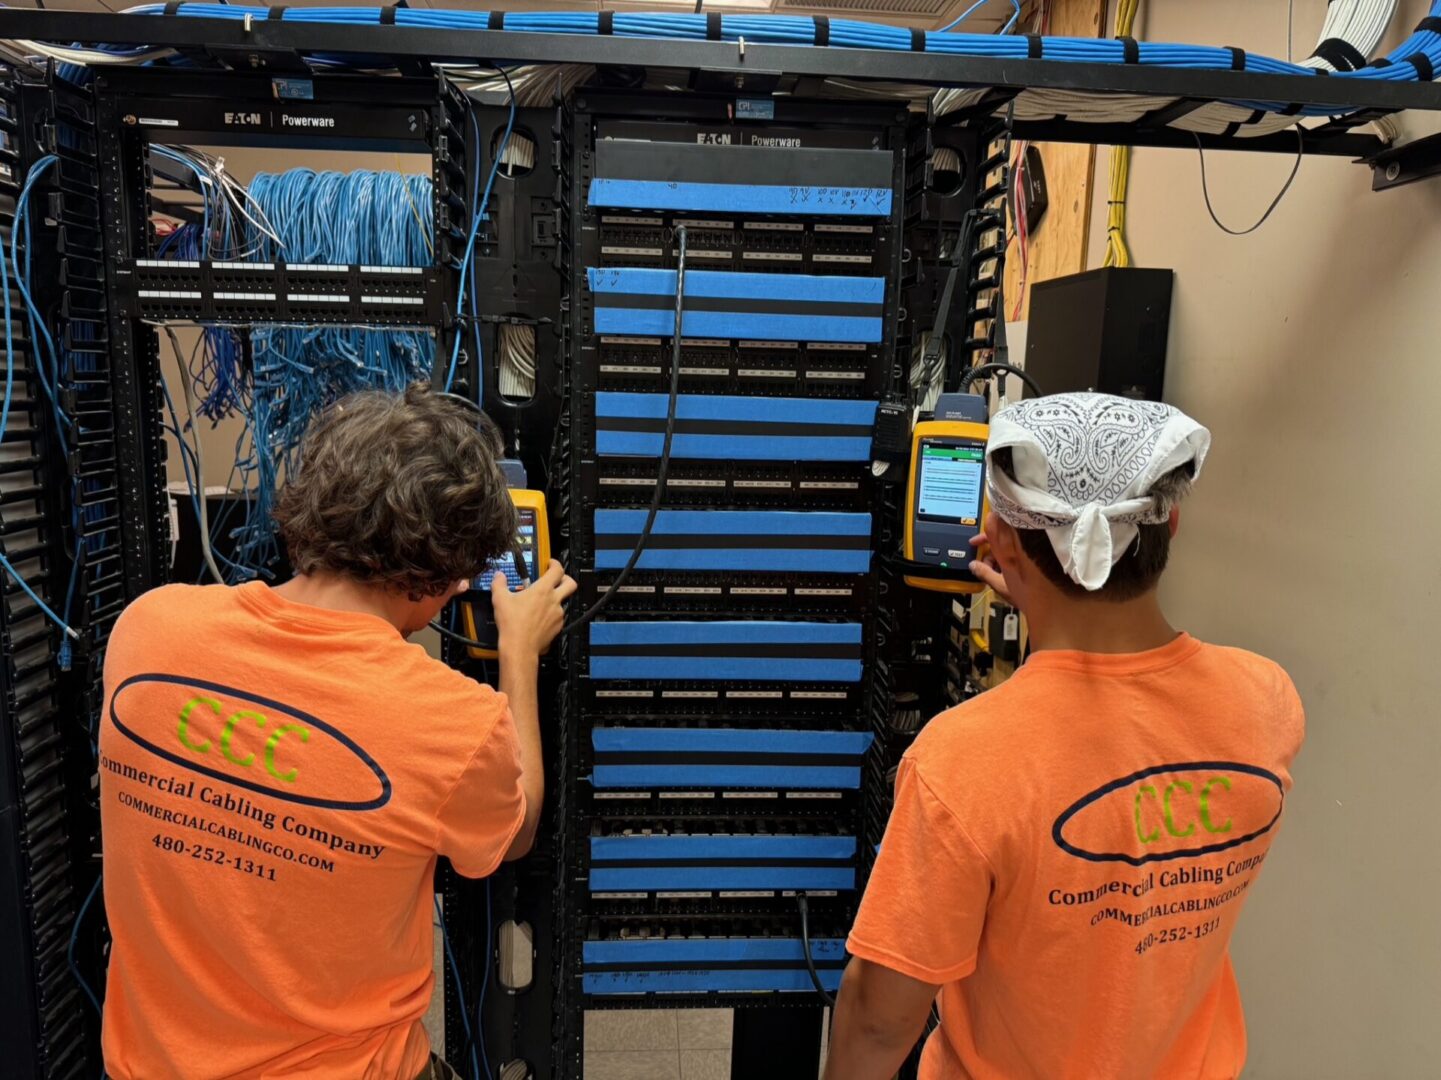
pixel 693 1044
pixel 682 1044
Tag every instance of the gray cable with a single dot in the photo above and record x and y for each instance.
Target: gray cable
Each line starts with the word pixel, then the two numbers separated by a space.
pixel 201 508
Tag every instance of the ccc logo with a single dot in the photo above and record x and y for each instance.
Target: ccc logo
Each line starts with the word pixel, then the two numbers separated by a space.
pixel 227 736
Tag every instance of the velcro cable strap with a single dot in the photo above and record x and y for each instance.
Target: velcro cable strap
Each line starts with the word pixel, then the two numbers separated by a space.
pixel 387 14
pixel 823 30
pixel 496 21
pixel 1340 54
pixel 1034 46
pixel 1238 58
pixel 1424 71
pixel 172 7
pixel 918 41
pixel 605 23
pixel 1293 109
pixel 277 12
pixel 1132 53
pixel 1380 61
pixel 1430 23
pixel 713 26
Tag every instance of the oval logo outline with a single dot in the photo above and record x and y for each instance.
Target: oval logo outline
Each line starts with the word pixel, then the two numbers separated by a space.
pixel 1084 801
pixel 250 785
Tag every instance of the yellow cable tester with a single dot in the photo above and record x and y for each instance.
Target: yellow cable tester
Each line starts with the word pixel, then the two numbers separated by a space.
pixel 521 566
pixel 946 495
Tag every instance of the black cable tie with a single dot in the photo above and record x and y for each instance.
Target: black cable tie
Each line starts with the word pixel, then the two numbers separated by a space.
pixel 387 14
pixel 918 41
pixel 1319 71
pixel 713 26
pixel 823 30
pixel 1340 54
pixel 1238 58
pixel 1256 117
pixel 1034 46
pixel 1231 129
pixel 172 7
pixel 1132 54
pixel 605 24
pixel 277 12
pixel 1294 109
pixel 496 21
pixel 1424 71
pixel 1430 23
pixel 1380 61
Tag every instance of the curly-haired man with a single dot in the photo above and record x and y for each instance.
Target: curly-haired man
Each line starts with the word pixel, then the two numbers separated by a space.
pixel 279 768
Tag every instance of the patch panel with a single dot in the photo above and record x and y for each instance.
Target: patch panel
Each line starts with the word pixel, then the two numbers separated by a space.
pixel 727 758
pixel 717 365
pixel 720 863
pixel 735 428
pixel 735 593
pixel 645 966
pixel 785 652
pixel 781 541
pixel 726 304
pixel 810 181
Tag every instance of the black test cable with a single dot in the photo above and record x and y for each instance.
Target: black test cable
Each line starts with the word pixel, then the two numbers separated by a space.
pixel 804 907
pixel 981 371
pixel 662 469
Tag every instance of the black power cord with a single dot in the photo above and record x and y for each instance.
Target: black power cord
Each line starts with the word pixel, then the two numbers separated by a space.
pixel 664 467
pixel 981 371
pixel 804 907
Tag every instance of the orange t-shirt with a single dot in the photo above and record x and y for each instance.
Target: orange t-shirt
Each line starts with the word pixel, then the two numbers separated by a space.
pixel 1067 858
pixel 276 781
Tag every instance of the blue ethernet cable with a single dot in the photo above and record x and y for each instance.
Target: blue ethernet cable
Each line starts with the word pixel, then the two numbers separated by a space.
pixel 478 211
pixel 846 33
pixel 459 992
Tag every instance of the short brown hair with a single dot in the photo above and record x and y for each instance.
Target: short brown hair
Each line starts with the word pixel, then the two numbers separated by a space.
pixel 402 490
pixel 1138 570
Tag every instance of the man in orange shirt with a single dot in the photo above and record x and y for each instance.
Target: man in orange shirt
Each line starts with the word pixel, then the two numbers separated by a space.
pixel 1069 853
pixel 279 769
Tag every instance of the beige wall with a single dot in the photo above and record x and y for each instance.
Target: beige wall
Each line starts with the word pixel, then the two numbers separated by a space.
pixel 1309 348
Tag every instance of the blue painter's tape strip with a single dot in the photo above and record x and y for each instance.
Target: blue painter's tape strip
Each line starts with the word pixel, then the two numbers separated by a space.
pixel 798 411
pixel 713 950
pixel 782 777
pixel 721 523
pixel 703 878
pixel 808 561
pixel 707 633
pixel 610 848
pixel 604 983
pixel 729 741
pixel 736 447
pixel 710 668
pixel 746 198
pixel 736 285
pixel 739 324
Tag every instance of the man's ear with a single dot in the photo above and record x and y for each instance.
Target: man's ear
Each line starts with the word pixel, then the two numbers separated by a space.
pixel 1173 523
pixel 1005 545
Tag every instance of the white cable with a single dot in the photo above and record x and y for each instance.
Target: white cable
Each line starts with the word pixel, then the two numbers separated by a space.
pixel 516 378
pixel 1359 23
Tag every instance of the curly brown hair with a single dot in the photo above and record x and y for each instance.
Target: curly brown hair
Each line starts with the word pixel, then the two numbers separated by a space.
pixel 401 490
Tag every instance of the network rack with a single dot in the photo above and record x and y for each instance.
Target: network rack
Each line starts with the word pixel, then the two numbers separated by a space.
pixel 715 714
pixel 60 529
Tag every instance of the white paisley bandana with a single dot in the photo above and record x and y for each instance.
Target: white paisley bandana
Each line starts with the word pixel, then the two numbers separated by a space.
pixel 1084 467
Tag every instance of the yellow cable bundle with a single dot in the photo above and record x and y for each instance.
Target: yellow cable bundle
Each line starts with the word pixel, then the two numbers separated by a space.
pixel 1117 253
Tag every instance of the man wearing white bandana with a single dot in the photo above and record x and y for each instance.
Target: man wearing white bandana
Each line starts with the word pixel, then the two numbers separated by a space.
pixel 1069 853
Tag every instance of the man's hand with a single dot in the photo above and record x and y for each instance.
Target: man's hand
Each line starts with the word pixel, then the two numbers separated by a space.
pixel 987 570
pixel 528 621
pixel 879 1015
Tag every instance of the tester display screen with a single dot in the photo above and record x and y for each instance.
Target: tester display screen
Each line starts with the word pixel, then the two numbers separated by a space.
pixel 950 483
pixel 505 564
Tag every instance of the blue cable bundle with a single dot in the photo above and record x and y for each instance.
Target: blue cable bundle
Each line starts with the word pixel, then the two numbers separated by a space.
pixel 371 218
pixel 1414 60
